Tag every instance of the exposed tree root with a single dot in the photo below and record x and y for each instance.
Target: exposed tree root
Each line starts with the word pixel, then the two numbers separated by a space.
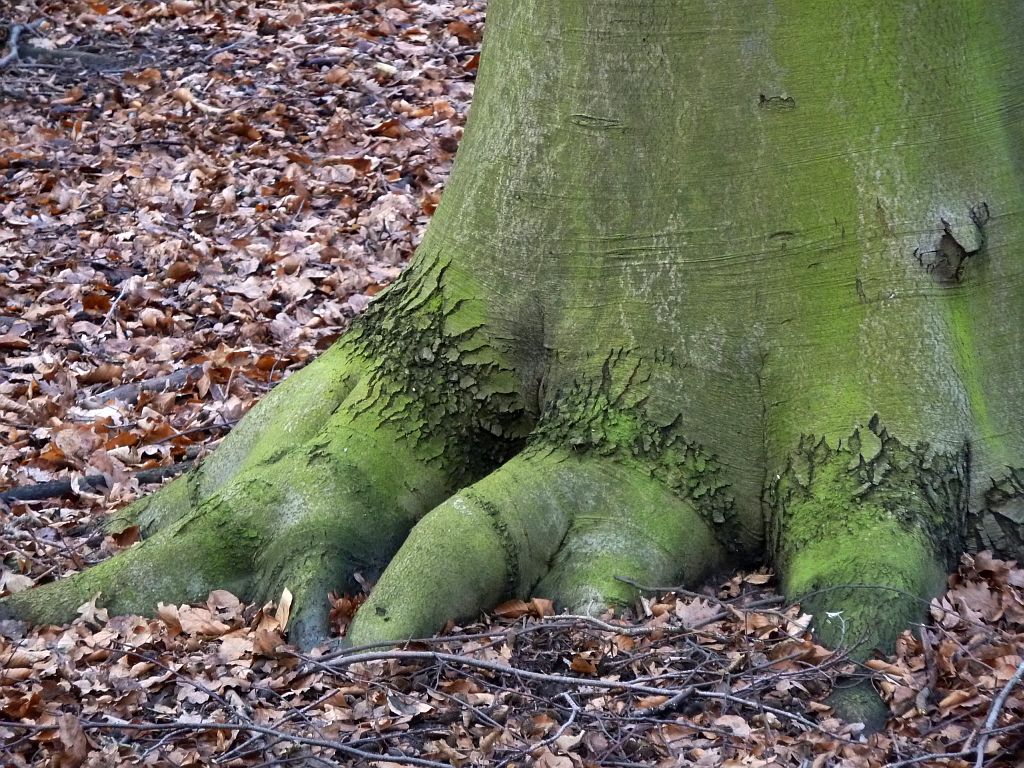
pixel 290 413
pixel 549 523
pixel 863 535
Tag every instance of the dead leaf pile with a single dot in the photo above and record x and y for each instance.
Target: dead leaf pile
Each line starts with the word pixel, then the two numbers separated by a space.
pixel 178 236
pixel 730 677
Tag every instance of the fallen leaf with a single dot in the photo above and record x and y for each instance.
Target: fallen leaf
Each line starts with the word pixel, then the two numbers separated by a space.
pixel 284 609
pixel 735 724
pixel 75 745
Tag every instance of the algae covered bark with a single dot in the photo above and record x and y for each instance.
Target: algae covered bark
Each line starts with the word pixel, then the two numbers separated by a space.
pixel 710 285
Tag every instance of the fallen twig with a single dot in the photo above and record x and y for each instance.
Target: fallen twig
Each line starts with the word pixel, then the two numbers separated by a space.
pixel 57 488
pixel 574 710
pixel 13 44
pixel 130 392
pixel 993 715
pixel 95 725
pixel 505 669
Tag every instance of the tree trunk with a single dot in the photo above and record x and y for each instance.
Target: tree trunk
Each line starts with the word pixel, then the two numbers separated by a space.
pixel 708 286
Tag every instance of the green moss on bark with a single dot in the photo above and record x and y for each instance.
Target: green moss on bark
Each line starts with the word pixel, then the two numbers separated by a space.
pixel 563 525
pixel 863 532
pixel 437 374
pixel 608 416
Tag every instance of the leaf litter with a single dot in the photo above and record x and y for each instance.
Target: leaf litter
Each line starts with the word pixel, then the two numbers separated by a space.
pixel 182 230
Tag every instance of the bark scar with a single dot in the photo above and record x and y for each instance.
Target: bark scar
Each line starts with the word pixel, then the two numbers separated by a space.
pixel 596 123
pixel 959 241
pixel 776 102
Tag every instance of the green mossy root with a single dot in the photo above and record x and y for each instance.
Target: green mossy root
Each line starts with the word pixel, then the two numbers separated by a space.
pixel 324 510
pixel 591 518
pixel 863 535
pixel 342 508
pixel 859 702
pixel 291 412
pixel 203 551
pixel 628 530
pixel 323 480
pixel 158 509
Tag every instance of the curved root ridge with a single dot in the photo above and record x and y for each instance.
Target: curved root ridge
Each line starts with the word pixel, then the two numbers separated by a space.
pixel 864 542
pixel 549 519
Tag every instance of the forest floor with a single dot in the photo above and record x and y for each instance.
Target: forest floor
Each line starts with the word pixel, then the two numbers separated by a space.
pixel 196 197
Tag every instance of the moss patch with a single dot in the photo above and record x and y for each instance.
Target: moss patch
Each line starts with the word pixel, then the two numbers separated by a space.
pixel 607 417
pixel 865 531
pixel 437 376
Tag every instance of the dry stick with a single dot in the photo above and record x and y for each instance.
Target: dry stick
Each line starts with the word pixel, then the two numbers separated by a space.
pixel 639 631
pixel 575 710
pixel 993 715
pixel 989 729
pixel 559 621
pixel 58 488
pixel 12 41
pixel 927 759
pixel 465 661
pixel 130 392
pixel 505 632
pixel 113 305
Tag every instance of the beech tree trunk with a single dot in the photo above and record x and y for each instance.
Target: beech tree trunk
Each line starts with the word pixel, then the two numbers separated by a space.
pixel 712 284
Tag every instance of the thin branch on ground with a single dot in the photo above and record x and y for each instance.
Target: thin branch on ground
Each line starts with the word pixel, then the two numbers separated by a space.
pixel 13 43
pixel 467 661
pixel 94 725
pixel 70 487
pixel 130 392
pixel 994 712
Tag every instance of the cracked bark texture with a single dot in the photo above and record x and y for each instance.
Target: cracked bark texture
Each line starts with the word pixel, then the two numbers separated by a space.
pixel 710 285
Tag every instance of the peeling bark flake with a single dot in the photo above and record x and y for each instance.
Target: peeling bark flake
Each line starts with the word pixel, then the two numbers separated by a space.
pixel 958 242
pixel 779 103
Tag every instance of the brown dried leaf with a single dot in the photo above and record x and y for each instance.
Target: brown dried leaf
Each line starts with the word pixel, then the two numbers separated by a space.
pixel 695 612
pixel 735 724
pixel 75 745
pixel 200 621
